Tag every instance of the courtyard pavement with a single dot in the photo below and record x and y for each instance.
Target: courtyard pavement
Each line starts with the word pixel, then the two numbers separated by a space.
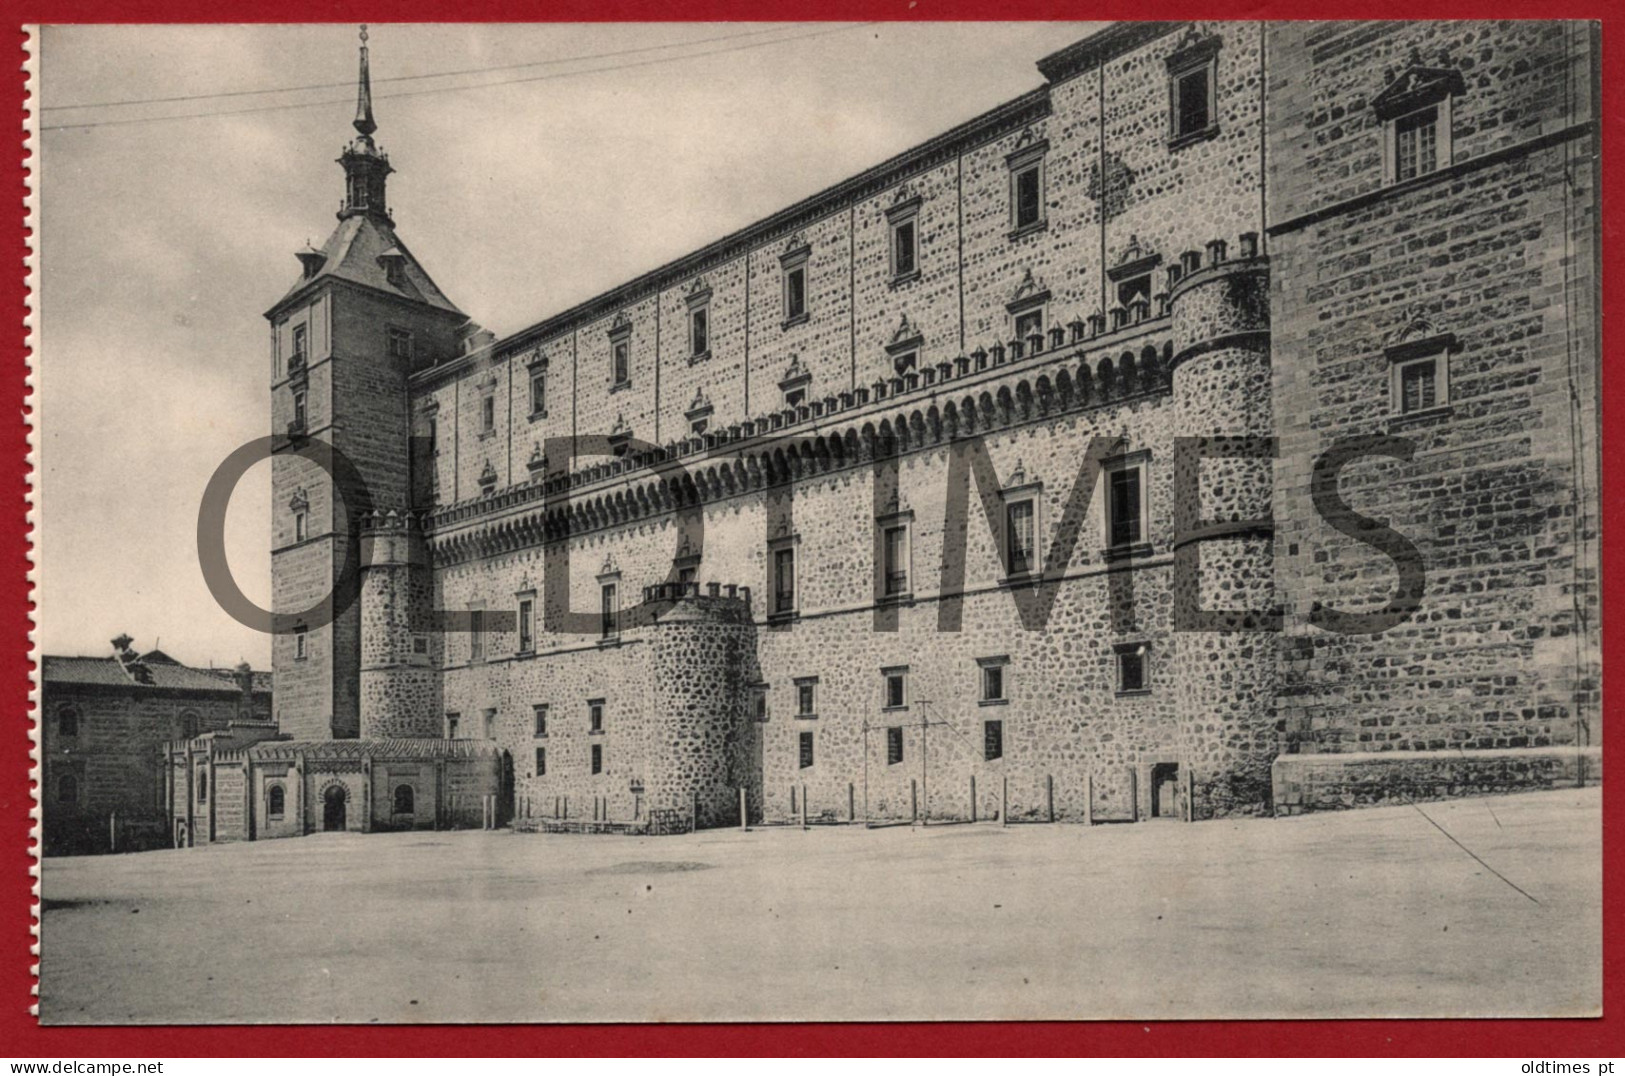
pixel 1364 913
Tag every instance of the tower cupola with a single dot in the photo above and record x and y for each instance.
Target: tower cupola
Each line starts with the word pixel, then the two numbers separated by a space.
pixel 366 167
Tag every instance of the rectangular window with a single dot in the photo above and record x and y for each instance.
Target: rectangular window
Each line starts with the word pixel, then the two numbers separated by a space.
pixel 434 437
pixel 1131 667
pixel 992 740
pixel 595 715
pixel 538 392
pixel 806 701
pixel 420 646
pixel 1192 91
pixel 1133 289
pixel 451 724
pixel 300 644
pixel 699 330
pixel 1029 323
pixel 597 758
pixel 1027 196
pixel 300 341
pixel 609 607
pixel 1125 505
pixel 400 344
pixel 896 561
pixel 806 757
pixel 541 762
pixel 686 577
pixel 488 724
pixel 795 292
pixel 992 683
pixel 621 362
pixel 894 745
pixel 1019 538
pixel 1416 144
pixel 299 410
pixel 904 252
pixel 488 413
pixel 896 684
pixel 1418 387
pixel 539 714
pixel 784 581
pixel 527 639
pixel 476 635
pixel 761 704
pixel 300 527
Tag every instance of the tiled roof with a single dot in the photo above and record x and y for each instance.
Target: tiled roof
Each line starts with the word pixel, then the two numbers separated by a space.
pixel 352 253
pixel 108 672
pixel 386 748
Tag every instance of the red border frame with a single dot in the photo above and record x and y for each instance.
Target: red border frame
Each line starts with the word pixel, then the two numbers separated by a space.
pixel 24 1037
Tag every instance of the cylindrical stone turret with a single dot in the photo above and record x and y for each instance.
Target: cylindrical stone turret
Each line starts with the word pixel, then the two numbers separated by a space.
pixel 400 656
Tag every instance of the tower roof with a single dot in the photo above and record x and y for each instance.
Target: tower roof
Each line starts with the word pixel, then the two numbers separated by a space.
pixel 355 252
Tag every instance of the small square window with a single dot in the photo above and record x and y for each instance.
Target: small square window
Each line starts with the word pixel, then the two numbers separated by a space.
pixel 894 745
pixel 420 646
pixel 595 715
pixel 452 719
pixel 541 762
pixel 1416 385
pixel 1132 671
pixel 992 740
pixel 1134 289
pixel 488 724
pixel 301 648
pixel 597 758
pixel 1029 323
pixel 806 752
pixel 539 716
pixel 761 704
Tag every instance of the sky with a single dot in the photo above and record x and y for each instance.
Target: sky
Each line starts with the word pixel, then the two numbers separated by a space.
pixel 161 242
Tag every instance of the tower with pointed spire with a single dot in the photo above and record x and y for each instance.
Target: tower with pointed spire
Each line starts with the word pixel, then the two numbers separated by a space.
pixel 366 167
pixel 361 318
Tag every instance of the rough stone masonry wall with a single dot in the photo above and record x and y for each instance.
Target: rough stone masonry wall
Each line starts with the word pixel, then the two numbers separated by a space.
pixel 1500 497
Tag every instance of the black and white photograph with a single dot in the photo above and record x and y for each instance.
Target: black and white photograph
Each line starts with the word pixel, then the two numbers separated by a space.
pixel 822 521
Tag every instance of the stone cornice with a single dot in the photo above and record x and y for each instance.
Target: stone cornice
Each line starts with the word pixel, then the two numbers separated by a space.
pixel 1097 49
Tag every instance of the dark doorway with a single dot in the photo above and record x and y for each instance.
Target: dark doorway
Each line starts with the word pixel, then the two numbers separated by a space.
pixel 1165 790
pixel 505 792
pixel 334 801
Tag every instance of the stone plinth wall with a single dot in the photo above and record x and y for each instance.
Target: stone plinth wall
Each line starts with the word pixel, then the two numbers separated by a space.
pixel 1304 783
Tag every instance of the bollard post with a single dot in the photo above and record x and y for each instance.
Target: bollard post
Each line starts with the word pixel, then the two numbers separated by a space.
pixel 1190 795
pixel 1004 803
pixel 1089 799
pixel 566 815
pixel 112 831
pixel 973 797
pixel 851 802
pixel 744 818
pixel 803 805
pixel 1049 796
pixel 1134 794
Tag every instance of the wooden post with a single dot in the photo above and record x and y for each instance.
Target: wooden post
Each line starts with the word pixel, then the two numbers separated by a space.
pixel 1089 799
pixel 914 799
pixel 1004 803
pixel 973 797
pixel 1134 794
pixel 1049 796
pixel 566 815
pixel 851 802
pixel 803 805
pixel 112 831
pixel 694 808
pixel 744 817
pixel 1190 788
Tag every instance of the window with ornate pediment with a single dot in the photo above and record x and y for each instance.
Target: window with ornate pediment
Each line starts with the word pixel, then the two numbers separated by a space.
pixel 1415 111
pixel 793 264
pixel 620 351
pixel 902 222
pixel 1131 275
pixel 1027 306
pixel 1193 89
pixel 1418 355
pixel 1026 165
pixel 699 413
pixel 794 383
pixel 904 347
pixel 698 301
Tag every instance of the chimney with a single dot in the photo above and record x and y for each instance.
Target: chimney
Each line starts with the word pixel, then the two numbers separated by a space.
pixel 130 661
pixel 244 675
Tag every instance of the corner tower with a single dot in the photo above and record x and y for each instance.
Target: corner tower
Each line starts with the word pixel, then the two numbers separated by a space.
pixel 362 316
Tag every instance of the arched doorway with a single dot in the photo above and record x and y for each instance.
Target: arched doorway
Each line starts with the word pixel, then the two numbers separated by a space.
pixel 334 802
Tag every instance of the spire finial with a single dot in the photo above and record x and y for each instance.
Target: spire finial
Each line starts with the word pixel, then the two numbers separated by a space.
pixel 363 104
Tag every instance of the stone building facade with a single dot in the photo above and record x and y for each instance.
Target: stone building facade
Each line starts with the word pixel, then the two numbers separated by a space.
pixel 104 723
pixel 982 484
